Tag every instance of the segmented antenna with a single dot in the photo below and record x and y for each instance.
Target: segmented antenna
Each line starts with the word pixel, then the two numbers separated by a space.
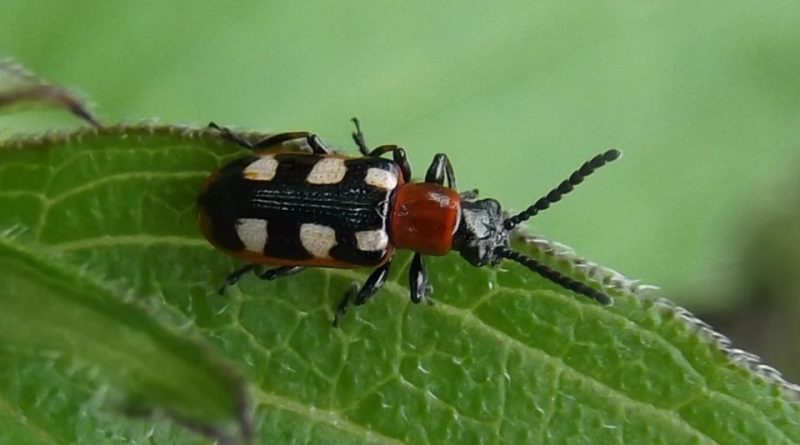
pixel 565 187
pixel 554 276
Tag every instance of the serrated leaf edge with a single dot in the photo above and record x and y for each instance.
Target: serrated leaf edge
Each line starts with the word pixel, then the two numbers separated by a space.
pixel 611 280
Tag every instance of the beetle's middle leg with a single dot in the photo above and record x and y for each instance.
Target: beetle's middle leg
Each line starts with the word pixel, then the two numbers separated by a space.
pixel 360 296
pixel 398 155
pixel 358 138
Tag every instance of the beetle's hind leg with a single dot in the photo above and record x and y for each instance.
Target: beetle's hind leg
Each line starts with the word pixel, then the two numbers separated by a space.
pixel 274 141
pixel 360 296
pixel 358 138
pixel 270 274
pixel 280 272
pixel 228 135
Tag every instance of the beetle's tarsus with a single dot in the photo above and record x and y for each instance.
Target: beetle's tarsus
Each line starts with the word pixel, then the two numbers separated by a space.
pixel 341 308
pixel 358 138
pixel 418 279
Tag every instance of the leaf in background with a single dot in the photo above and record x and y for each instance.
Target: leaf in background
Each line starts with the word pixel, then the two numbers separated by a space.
pixel 18 86
pixel 503 356
pixel 54 307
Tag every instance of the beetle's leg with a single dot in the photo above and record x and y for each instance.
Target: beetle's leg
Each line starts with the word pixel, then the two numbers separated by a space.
pixel 234 277
pixel 279 272
pixel 418 279
pixel 341 309
pixel 399 156
pixel 358 138
pixel 228 135
pixel 274 141
pixel 373 284
pixel 398 153
pixel 441 170
pixel 313 141
pixel 317 146
pixel 271 274
pixel 469 195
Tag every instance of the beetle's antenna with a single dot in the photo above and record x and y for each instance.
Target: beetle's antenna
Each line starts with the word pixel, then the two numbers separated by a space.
pixel 554 276
pixel 565 187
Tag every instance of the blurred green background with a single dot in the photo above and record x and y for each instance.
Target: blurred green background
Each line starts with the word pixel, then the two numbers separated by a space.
pixel 702 97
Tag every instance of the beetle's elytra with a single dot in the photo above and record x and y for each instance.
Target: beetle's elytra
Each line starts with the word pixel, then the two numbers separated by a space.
pixel 299 209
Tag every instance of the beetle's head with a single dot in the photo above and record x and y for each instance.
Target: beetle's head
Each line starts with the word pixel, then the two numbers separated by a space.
pixel 481 232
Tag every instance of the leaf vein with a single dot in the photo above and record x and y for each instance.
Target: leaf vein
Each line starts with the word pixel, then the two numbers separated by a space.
pixel 469 317
pixel 676 352
pixel 595 384
pixel 22 419
pixel 125 240
pixel 323 416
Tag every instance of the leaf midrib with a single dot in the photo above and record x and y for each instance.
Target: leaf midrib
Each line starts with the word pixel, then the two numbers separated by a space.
pixel 28 422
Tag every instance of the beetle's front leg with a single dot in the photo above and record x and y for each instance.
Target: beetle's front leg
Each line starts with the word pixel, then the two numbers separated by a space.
pixel 418 279
pixel 441 170
pixel 373 284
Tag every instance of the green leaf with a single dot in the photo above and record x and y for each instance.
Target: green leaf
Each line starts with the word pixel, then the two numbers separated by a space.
pixel 107 283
